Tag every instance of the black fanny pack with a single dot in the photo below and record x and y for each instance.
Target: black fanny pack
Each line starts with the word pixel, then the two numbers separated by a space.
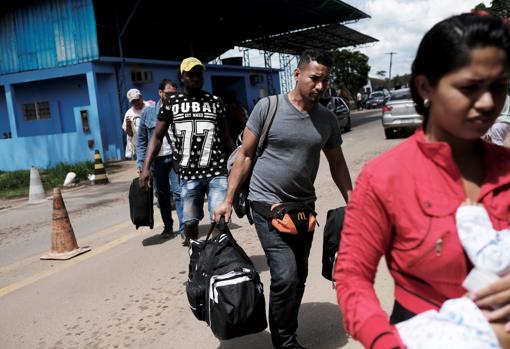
pixel 289 217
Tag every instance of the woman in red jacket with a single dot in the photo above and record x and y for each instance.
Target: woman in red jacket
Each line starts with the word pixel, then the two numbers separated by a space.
pixel 403 206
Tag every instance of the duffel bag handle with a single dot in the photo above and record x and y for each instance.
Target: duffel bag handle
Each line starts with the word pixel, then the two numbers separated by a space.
pixel 224 229
pixel 220 225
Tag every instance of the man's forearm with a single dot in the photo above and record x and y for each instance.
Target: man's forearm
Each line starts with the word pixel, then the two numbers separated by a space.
pixel 141 145
pixel 239 173
pixel 346 185
pixel 342 179
pixel 152 151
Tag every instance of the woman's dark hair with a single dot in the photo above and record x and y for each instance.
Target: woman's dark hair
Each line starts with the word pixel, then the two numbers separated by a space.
pixel 320 56
pixel 446 47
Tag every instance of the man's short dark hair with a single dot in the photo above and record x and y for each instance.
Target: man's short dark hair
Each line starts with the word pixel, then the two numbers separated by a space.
pixel 320 56
pixel 165 82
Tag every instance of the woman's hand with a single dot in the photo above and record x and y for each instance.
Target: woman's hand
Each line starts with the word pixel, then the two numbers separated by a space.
pixel 495 295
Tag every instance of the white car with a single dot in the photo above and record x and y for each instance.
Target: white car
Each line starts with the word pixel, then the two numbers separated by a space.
pixel 399 113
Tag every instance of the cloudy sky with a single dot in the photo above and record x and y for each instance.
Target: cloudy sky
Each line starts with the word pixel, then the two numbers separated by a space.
pixel 399 26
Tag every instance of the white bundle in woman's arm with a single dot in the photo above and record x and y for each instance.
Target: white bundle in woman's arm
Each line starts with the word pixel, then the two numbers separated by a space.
pixel 488 249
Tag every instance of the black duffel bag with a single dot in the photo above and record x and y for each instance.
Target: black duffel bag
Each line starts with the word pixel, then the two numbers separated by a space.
pixel 224 288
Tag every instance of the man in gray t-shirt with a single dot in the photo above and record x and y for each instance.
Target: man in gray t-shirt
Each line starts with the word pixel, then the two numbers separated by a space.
pixel 291 157
pixel 285 172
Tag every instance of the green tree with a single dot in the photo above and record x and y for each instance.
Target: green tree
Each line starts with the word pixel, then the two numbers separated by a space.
pixel 400 81
pixel 378 84
pixel 481 7
pixel 499 8
pixel 381 73
pixel 350 70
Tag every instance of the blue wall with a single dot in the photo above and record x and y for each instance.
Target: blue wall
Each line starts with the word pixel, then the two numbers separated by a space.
pixel 110 117
pixel 247 93
pixel 43 151
pixel 63 94
pixel 49 52
pixel 48 34
pixel 45 143
pixel 159 72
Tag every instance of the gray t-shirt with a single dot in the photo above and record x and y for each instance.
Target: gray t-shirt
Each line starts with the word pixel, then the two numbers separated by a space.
pixel 287 168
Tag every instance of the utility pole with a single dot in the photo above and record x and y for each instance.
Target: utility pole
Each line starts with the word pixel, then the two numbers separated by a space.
pixel 391 60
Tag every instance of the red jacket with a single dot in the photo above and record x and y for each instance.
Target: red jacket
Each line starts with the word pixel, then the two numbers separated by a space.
pixel 403 207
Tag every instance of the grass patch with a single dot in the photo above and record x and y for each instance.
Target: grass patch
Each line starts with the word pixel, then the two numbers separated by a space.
pixel 17 183
pixel 54 177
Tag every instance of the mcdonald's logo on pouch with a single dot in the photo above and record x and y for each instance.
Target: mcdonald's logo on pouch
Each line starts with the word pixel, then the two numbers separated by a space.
pixel 301 216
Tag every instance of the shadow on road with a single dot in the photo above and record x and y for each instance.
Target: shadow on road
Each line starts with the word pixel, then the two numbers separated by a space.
pixel 260 340
pixel 358 121
pixel 203 229
pixel 156 240
pixel 233 226
pixel 202 233
pixel 260 263
pixel 320 326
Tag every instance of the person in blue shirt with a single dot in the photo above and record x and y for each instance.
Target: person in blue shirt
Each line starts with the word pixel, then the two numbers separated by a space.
pixel 165 178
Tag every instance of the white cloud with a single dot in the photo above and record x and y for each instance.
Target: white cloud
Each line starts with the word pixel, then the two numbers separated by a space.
pixel 399 26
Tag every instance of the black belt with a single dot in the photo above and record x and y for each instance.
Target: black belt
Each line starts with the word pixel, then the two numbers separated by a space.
pixel 264 209
pixel 261 208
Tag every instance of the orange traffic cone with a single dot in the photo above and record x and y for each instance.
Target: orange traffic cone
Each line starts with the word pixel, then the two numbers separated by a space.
pixel 63 241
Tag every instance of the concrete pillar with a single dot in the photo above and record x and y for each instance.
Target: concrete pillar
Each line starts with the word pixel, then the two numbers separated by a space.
pixel 95 126
pixel 10 98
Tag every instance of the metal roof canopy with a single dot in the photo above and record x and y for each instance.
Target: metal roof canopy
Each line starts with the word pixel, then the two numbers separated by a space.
pixel 326 37
pixel 173 30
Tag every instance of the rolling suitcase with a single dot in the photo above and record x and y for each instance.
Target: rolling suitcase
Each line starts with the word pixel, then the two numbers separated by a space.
pixel 141 206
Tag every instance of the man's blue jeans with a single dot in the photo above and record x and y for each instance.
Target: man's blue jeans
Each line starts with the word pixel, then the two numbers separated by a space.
pixel 167 183
pixel 287 257
pixel 193 192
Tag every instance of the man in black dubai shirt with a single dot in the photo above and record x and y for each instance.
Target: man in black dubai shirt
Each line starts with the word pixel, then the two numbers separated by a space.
pixel 203 145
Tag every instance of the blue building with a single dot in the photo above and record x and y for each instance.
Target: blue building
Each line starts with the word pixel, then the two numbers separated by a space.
pixel 65 67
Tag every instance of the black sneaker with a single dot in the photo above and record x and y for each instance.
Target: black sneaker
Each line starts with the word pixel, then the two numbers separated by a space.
pixel 167 233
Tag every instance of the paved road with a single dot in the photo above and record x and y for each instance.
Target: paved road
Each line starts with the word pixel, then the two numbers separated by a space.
pixel 359 118
pixel 128 292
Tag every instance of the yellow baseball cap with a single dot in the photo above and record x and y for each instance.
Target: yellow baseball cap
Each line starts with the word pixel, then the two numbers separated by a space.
pixel 189 63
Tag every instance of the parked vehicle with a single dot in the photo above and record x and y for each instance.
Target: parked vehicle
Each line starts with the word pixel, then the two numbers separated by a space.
pixel 376 100
pixel 338 106
pixel 399 113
